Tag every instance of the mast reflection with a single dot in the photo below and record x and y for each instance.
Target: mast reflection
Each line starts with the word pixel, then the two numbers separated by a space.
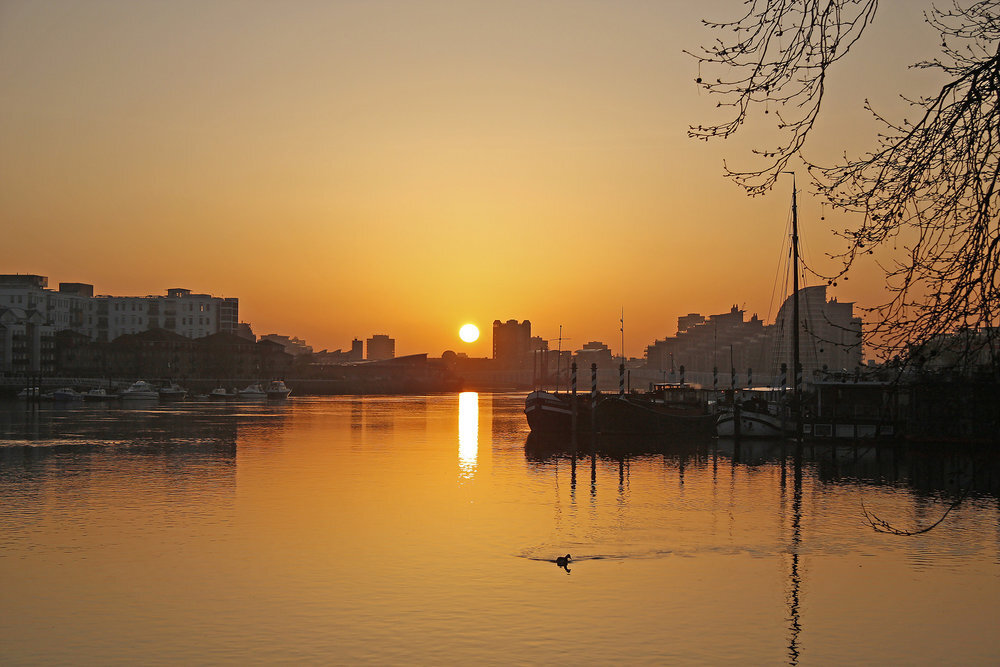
pixel 468 433
pixel 794 577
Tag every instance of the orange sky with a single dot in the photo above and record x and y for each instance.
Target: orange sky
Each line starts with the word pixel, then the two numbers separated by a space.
pixel 351 168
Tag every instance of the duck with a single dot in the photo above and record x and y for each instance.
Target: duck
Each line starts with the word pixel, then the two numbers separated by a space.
pixel 563 561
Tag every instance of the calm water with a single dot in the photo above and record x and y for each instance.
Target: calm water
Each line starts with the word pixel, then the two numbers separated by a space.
pixel 401 530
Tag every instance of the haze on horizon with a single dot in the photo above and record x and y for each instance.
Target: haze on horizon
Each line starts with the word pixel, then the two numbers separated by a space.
pixel 347 169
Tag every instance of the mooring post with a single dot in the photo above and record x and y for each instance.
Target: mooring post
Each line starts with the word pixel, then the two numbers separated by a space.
pixel 784 401
pixel 682 373
pixel 750 378
pixel 715 378
pixel 621 380
pixel 593 397
pixel 798 403
pixel 573 406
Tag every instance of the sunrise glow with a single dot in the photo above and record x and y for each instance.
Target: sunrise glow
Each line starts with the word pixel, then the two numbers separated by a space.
pixel 469 333
pixel 353 160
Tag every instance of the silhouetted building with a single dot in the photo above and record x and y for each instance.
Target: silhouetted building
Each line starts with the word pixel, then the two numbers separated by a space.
pixel 327 358
pixel 292 345
pixel 964 352
pixel 357 350
pixel 727 340
pixel 243 330
pixel 512 344
pixel 830 339
pixel 27 343
pixel 79 289
pixel 28 321
pixel 158 353
pixel 595 352
pixel 381 347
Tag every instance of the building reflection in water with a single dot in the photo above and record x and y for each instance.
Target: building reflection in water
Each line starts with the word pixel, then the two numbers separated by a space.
pixel 468 433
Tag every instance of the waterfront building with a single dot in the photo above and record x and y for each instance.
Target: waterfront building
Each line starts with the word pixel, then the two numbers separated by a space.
pixel 830 337
pixel 595 352
pixel 830 341
pixel 243 330
pixel 381 347
pixel 512 344
pixel 32 314
pixel 180 311
pixel 726 341
pixel 964 352
pixel 158 353
pixel 27 343
pixel 291 344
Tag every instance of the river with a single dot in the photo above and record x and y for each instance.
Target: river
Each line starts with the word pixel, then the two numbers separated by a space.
pixel 423 530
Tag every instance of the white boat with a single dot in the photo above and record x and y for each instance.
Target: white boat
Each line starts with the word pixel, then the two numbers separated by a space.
pixel 140 391
pixel 758 418
pixel 172 392
pixel 30 392
pixel 277 389
pixel 252 391
pixel 97 395
pixel 66 394
pixel 221 394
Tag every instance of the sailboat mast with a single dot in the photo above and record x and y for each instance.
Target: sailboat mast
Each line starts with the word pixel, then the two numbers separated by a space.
pixel 795 292
pixel 796 365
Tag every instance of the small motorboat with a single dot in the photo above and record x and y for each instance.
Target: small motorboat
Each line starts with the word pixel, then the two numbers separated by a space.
pixel 253 391
pixel 278 389
pixel 221 394
pixel 172 392
pixel 140 391
pixel 98 394
pixel 66 394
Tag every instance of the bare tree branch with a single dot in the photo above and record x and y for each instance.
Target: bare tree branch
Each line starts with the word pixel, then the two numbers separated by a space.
pixel 927 190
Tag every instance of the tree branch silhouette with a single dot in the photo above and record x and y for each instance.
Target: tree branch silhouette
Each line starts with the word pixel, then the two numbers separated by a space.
pixel 927 189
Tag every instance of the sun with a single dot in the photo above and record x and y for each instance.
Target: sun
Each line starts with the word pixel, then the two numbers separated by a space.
pixel 469 333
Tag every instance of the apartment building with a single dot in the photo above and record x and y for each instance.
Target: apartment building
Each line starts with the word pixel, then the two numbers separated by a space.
pixel 31 313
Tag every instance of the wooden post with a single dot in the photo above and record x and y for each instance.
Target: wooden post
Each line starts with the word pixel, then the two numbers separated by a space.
pixel 573 405
pixel 593 397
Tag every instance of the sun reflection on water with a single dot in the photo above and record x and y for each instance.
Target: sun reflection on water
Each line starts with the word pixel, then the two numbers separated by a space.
pixel 468 433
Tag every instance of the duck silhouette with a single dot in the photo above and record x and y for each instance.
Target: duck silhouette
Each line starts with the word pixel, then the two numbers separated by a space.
pixel 563 561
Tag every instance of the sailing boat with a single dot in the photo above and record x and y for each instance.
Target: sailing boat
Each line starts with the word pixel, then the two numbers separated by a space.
pixel 759 417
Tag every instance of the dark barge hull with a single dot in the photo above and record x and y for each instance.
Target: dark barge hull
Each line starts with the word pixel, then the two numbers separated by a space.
pixel 628 415
pixel 548 412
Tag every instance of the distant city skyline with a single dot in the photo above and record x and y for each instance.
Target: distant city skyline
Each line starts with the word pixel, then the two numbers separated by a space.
pixel 346 168
pixel 103 317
